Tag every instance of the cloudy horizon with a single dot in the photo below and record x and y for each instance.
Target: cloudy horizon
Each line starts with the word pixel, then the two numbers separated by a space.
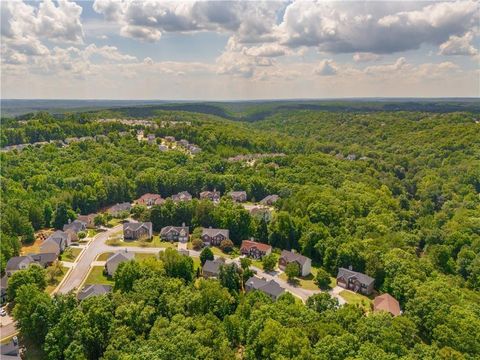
pixel 238 50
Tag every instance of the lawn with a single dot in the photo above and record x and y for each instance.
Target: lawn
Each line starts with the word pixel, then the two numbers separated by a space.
pixel 114 222
pixel 104 256
pixel 196 262
pixel 357 299
pixel 305 282
pixel 141 256
pixel 116 240
pixel 91 232
pixel 70 254
pixel 96 276
pixel 51 285
pixel 257 263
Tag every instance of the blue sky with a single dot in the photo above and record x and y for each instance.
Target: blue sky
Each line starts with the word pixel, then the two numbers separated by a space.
pixel 239 49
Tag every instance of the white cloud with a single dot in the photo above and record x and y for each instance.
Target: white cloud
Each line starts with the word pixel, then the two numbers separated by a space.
pixel 326 67
pixel 365 57
pixel 458 45
pixel 385 69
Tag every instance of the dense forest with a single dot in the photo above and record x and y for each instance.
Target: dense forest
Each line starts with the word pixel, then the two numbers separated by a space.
pixel 395 194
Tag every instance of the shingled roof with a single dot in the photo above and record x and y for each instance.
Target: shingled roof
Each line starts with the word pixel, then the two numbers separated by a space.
pixel 387 302
pixel 93 290
pixel 248 244
pixel 346 274
pixel 214 232
pixel 291 256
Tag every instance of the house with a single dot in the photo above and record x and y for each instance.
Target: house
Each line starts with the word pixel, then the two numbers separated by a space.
pixel 182 196
pixel 269 199
pixel 214 236
pixel 75 226
pixel 271 288
pixel 118 209
pixel 303 262
pixel 17 263
pixel 388 303
pixel 3 289
pixel 255 249
pixel 183 143
pixel 150 199
pixel 260 212
pixel 57 242
pixel 238 196
pixel 170 139
pixel 174 233
pixel 162 147
pixel 211 268
pixel 355 281
pixel 210 195
pixel 116 259
pixel 89 220
pixel 93 290
pixel 44 259
pixel 137 230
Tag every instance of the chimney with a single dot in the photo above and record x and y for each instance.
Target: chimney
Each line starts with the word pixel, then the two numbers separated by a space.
pixel 210 227
pixel 252 238
pixel 183 224
pixel 350 267
pixel 69 221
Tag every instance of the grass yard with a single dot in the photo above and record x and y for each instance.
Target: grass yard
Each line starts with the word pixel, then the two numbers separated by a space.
pixel 114 222
pixel 142 256
pixel 96 276
pixel 196 262
pixel 91 232
pixel 257 263
pixel 70 254
pixel 155 242
pixel 305 282
pixel 357 299
pixel 33 248
pixel 104 256
pixel 51 285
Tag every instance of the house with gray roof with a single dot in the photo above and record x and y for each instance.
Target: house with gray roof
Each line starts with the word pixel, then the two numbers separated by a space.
pixel 75 226
pixel 355 281
pixel 116 259
pixel 174 233
pixel 93 290
pixel 286 257
pixel 137 230
pixel 118 209
pixel 17 263
pixel 44 259
pixel 214 237
pixel 271 288
pixel 238 196
pixel 211 268
pixel 182 196
pixel 270 199
pixel 56 242
pixel 210 195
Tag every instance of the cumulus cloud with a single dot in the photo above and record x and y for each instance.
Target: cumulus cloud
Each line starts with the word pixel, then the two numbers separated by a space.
pixel 458 45
pixel 326 67
pixel 399 64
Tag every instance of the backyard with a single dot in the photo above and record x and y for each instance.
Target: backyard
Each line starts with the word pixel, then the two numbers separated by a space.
pixel 357 299
pixel 56 277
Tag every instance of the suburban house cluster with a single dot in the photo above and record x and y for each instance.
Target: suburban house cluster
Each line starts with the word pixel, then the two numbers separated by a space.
pixel 169 142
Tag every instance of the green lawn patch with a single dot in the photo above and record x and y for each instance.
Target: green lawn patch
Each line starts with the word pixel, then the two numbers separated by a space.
pixel 70 254
pixel 196 263
pixel 92 232
pixel 356 299
pixel 257 263
pixel 96 276
pixel 155 242
pixel 53 283
pixel 141 256
pixel 104 256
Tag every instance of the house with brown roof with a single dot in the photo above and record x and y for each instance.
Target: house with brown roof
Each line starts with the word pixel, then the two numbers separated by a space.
pixel 214 236
pixel 261 212
pixel 255 249
pixel 150 200
pixel 89 220
pixel 238 196
pixel 174 233
pixel 388 303
pixel 210 195
pixel 355 281
pixel 287 257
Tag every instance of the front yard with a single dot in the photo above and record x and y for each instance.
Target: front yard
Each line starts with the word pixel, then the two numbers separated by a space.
pixel 55 278
pixel 117 240
pixel 96 276
pixel 70 254
pixel 104 256
pixel 357 299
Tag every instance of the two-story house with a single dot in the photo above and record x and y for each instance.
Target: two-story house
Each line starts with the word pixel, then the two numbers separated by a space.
pixel 139 230
pixel 214 236
pixel 174 233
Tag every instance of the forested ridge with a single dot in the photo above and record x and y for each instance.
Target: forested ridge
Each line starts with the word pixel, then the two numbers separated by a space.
pixel 393 194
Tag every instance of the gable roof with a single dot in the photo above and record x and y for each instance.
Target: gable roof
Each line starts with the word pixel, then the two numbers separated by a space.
pixel 214 232
pixel 58 236
pixel 93 290
pixel 125 206
pixel 270 287
pixel 213 266
pixel 135 226
pixel 15 262
pixel 182 195
pixel 270 198
pixel 387 302
pixel 44 258
pixel 290 256
pixel 347 274
pixel 237 193
pixel 148 197
pixel 248 244
pixel 75 225
pixel 165 230
pixel 86 218
pixel 120 256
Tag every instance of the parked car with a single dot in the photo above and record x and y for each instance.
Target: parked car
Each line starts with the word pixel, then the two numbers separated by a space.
pixel 3 312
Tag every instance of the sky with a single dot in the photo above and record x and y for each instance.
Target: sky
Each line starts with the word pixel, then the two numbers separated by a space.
pixel 239 50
